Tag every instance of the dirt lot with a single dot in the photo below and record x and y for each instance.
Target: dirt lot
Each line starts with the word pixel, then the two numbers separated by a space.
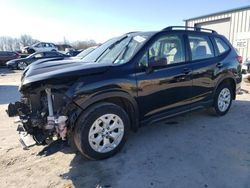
pixel 192 150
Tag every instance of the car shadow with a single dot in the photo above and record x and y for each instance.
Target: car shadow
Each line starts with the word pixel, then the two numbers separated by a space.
pixel 8 94
pixel 159 155
pixel 5 70
pixel 142 153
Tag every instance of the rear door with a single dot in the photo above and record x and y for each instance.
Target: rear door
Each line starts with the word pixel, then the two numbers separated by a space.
pixel 167 87
pixel 3 57
pixel 203 63
pixel 11 55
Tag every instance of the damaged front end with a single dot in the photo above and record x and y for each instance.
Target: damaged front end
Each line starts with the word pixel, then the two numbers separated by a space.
pixel 47 109
pixel 43 115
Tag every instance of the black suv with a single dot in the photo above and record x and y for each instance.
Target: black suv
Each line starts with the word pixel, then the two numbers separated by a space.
pixel 135 79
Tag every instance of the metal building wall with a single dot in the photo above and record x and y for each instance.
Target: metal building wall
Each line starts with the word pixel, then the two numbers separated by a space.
pixel 239 23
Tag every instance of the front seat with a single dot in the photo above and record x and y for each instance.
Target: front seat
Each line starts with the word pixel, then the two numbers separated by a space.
pixel 200 52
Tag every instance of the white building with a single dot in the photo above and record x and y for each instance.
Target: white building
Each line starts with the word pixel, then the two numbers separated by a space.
pixel 233 24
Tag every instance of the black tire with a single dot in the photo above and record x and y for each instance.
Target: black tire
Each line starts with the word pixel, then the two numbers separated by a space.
pixel 216 109
pixel 84 124
pixel 23 66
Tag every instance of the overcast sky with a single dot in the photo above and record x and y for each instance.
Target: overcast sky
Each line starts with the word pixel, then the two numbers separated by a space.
pixel 52 20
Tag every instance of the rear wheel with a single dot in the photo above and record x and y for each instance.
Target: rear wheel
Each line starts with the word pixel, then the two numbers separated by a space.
pixel 222 99
pixel 101 131
pixel 22 65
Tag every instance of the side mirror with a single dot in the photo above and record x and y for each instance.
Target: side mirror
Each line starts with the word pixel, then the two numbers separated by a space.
pixel 158 63
pixel 154 63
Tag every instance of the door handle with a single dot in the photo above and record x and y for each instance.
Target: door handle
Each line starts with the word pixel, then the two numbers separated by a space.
pixel 186 71
pixel 219 65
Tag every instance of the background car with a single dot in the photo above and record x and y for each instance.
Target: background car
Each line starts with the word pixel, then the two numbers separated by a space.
pixel 39 47
pixel 246 70
pixel 6 56
pixel 85 52
pixel 73 52
pixel 24 62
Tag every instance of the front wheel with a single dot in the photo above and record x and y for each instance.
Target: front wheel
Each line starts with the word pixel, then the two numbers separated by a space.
pixel 101 131
pixel 222 99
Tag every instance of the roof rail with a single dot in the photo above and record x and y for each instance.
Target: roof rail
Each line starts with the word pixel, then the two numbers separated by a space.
pixel 188 28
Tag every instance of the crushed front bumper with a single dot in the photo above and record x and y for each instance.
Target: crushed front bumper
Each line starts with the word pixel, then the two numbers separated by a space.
pixel 21 110
pixel 25 139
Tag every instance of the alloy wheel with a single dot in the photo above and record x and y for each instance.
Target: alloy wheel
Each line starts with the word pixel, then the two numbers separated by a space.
pixel 106 133
pixel 224 99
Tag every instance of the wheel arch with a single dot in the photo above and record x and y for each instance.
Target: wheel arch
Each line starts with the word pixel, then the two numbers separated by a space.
pixel 227 80
pixel 120 98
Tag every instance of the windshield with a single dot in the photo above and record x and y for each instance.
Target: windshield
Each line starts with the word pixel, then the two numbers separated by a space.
pixel 117 50
pixel 91 57
pixel 85 52
pixel 121 51
pixel 31 55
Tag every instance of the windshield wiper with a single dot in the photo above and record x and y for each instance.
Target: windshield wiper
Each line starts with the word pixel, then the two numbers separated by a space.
pixel 110 47
pixel 122 51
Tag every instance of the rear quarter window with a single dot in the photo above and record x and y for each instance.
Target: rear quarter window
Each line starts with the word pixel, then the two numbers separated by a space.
pixel 201 47
pixel 221 45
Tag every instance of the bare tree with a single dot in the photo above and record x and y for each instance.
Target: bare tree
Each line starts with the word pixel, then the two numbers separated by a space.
pixel 26 40
pixel 14 44
pixel 6 43
pixel 83 44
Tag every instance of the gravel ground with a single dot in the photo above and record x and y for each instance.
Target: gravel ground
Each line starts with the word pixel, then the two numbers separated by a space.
pixel 195 150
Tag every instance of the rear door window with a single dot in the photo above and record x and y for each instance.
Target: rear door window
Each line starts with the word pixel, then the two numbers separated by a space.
pixel 201 47
pixel 221 45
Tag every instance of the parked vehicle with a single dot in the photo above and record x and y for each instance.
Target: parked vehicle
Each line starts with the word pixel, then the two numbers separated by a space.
pixel 6 56
pixel 73 52
pixel 246 70
pixel 90 57
pixel 39 47
pixel 24 62
pixel 63 47
pixel 140 78
pixel 85 52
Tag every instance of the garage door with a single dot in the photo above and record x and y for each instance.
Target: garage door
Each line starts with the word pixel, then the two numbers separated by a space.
pixel 222 26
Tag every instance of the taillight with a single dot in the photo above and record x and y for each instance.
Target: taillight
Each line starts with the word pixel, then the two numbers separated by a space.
pixel 239 59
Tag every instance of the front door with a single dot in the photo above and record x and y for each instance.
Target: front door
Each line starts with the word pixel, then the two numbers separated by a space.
pixel 163 76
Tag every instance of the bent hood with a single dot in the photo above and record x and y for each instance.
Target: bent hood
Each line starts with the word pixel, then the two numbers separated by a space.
pixel 59 70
